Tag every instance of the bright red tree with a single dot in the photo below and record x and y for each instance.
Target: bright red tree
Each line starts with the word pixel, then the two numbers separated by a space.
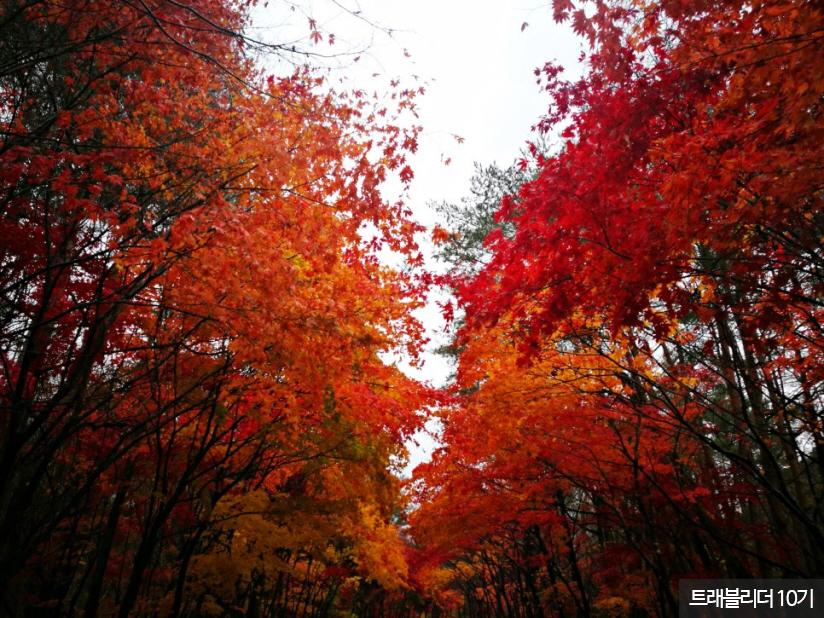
pixel 641 365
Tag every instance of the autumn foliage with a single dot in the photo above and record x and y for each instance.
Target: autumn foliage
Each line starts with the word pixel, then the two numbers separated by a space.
pixel 195 416
pixel 639 387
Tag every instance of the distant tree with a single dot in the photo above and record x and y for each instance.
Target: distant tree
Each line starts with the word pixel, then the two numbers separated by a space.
pixel 471 220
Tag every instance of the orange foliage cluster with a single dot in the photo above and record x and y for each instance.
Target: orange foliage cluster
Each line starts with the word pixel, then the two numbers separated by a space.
pixel 196 419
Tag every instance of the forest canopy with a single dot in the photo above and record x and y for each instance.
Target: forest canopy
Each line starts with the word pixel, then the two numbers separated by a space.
pixel 198 411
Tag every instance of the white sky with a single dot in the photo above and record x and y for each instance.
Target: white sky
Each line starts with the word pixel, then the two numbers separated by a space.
pixel 477 65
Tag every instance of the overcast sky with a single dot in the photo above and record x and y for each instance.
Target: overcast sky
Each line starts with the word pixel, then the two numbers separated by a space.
pixel 476 59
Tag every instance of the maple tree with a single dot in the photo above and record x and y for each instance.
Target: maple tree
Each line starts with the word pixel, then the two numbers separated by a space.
pixel 639 380
pixel 193 318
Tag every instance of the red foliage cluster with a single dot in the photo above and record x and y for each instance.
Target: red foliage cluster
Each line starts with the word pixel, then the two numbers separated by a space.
pixel 640 375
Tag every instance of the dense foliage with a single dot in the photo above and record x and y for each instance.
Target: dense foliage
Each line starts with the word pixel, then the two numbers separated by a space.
pixel 196 413
pixel 639 388
pixel 195 417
